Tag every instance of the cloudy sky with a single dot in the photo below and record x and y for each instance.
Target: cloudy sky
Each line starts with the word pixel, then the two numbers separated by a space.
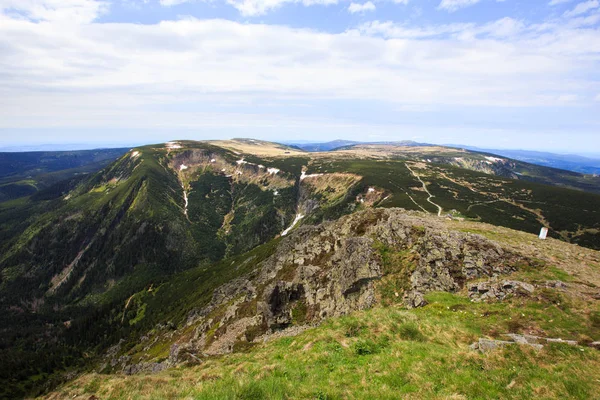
pixel 503 74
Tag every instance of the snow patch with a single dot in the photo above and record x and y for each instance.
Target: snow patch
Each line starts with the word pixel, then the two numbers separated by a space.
pixel 298 218
pixel 494 159
pixel 183 167
pixel 212 160
pixel 275 193
pixel 135 154
pixel 371 190
pixel 173 145
pixel 185 198
pixel 241 162
pixel 304 176
pixel 273 171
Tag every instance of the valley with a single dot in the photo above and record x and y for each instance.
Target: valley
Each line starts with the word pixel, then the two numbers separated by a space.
pixel 177 254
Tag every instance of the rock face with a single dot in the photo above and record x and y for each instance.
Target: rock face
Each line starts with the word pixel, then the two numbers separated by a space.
pixel 499 290
pixel 334 268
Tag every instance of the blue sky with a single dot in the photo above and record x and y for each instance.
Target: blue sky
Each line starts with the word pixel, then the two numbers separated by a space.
pixel 488 73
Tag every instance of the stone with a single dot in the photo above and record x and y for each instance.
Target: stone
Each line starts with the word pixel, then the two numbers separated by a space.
pixel 415 299
pixel 486 345
pixel 493 290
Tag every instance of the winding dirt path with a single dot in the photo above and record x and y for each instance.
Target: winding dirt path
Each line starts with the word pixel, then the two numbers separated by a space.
pixel 426 190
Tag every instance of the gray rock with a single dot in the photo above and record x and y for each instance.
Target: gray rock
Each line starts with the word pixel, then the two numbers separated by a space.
pixel 332 269
pixel 415 299
pixel 486 345
pixel 493 290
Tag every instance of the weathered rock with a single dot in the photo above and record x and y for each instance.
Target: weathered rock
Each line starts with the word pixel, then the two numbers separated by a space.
pixel 485 345
pixel 555 285
pixel 499 290
pixel 415 299
pixel 334 268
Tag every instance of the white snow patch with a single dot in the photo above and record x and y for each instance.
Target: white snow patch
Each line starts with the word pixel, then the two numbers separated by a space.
pixel 458 158
pixel 240 162
pixel 213 160
pixel 275 193
pixel 494 159
pixel 185 198
pixel 182 167
pixel 135 154
pixel 223 170
pixel 371 190
pixel 235 152
pixel 273 171
pixel 239 172
pixel 304 176
pixel 387 197
pixel 260 166
pixel 489 162
pixel 298 218
pixel 428 160
pixel 173 145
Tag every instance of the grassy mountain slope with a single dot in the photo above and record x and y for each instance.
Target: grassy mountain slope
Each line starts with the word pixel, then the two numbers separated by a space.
pixel 130 251
pixel 388 351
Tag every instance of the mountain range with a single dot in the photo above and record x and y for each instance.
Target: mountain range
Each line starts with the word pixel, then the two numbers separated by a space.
pixel 172 255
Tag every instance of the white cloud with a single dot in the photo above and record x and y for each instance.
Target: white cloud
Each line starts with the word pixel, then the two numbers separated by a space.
pixel 252 8
pixel 453 5
pixel 170 3
pixel 557 2
pixel 361 8
pixel 583 8
pixel 65 74
pixel 69 11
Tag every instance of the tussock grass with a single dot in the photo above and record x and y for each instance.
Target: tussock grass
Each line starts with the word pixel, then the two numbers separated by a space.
pixel 389 353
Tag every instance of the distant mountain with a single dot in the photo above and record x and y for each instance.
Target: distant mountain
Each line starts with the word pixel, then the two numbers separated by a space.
pixel 569 162
pixel 64 147
pixel 26 173
pixel 345 144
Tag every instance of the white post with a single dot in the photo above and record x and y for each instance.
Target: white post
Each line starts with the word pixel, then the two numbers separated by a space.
pixel 543 233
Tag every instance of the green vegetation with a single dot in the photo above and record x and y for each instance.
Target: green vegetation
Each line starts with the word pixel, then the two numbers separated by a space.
pixel 90 258
pixel 388 352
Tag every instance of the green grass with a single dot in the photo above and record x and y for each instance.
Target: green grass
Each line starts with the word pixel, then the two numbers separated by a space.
pixel 387 353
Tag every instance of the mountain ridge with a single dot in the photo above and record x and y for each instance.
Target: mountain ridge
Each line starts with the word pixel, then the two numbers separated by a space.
pixel 167 226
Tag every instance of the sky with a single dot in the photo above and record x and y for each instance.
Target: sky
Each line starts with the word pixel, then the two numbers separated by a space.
pixel 488 73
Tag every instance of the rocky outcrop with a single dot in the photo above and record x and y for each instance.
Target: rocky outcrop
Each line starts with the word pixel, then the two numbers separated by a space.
pixel 334 268
pixel 499 290
pixel 537 342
